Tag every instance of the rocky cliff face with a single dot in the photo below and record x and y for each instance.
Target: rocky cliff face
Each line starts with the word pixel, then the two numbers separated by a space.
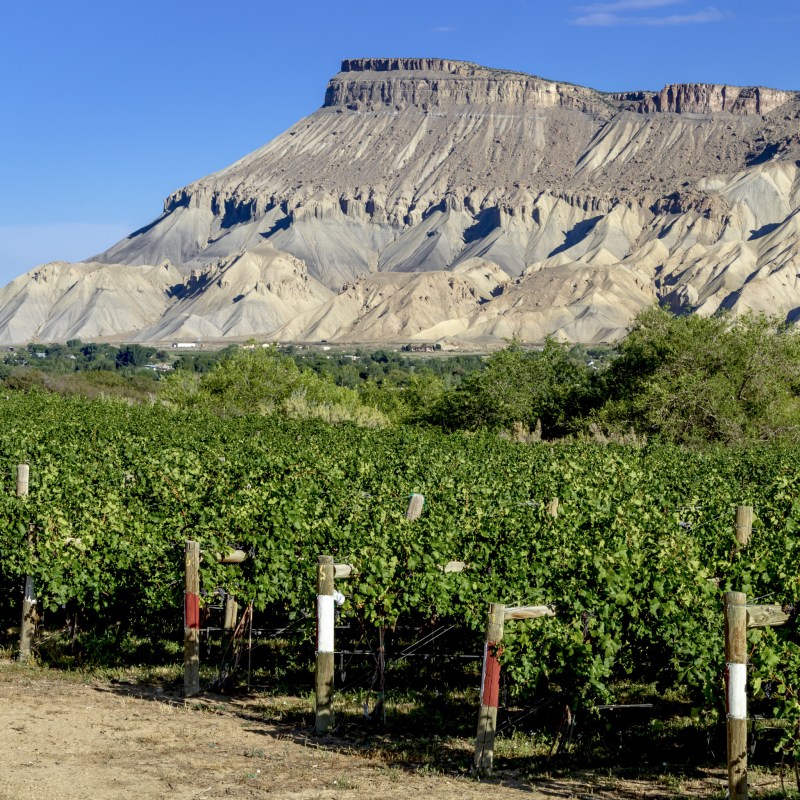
pixel 430 83
pixel 706 98
pixel 454 200
pixel 440 65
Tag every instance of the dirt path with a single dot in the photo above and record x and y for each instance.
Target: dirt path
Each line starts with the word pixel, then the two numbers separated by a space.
pixel 62 740
pixel 65 740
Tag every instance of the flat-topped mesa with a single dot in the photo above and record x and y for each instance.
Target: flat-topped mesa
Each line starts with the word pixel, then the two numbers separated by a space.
pixel 706 98
pixel 464 68
pixel 369 84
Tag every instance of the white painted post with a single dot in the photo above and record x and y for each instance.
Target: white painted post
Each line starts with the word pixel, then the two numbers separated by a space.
pixel 736 680
pixel 323 678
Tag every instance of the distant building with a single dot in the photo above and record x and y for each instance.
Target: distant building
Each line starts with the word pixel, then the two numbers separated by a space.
pixel 184 345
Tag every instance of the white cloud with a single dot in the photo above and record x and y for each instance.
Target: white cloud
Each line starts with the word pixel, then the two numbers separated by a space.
pixel 608 20
pixel 23 247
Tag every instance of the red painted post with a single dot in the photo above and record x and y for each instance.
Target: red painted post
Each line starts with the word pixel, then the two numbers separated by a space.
pixel 191 623
pixel 490 680
pixel 490 689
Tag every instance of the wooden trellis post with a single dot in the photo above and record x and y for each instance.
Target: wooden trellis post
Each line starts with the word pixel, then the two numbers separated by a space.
pixel 327 572
pixel 744 525
pixel 415 505
pixel 191 613
pixel 490 689
pixel 738 618
pixel 28 624
pixel 736 686
pixel 490 676
pixel 323 675
pixel 191 621
pixel 229 619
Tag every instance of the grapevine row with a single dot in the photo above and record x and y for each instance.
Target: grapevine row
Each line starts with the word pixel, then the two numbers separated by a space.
pixel 635 560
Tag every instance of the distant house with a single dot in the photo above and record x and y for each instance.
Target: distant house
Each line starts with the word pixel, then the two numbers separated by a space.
pixel 184 345
pixel 421 348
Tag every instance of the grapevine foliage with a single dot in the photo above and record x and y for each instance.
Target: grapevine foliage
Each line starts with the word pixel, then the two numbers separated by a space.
pixel 635 561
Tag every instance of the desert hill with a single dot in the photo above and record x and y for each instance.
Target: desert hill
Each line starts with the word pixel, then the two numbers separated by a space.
pixel 430 198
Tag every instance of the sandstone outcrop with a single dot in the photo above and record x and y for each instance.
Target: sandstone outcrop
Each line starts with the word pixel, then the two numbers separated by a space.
pixel 708 98
pixel 428 83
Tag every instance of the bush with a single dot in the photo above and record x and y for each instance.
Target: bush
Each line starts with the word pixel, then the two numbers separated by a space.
pixel 699 379
pixel 546 387
pixel 262 380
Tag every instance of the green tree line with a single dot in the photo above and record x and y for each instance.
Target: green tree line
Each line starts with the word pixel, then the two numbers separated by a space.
pixel 681 379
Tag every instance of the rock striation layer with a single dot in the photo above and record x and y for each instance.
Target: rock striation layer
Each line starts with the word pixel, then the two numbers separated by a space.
pixel 427 83
pixel 707 98
pixel 430 199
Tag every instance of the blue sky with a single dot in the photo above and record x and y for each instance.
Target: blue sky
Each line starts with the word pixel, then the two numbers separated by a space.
pixel 109 106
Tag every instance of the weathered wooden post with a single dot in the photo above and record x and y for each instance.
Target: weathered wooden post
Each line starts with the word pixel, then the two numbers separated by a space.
pixel 191 621
pixel 231 614
pixel 415 505
pixel 23 476
pixel 231 557
pixel 230 618
pixel 744 525
pixel 552 507
pixel 490 689
pixel 28 625
pixel 499 614
pixel 323 678
pixel 736 687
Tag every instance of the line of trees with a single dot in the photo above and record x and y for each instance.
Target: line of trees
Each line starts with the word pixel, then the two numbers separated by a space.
pixel 682 379
pixel 76 356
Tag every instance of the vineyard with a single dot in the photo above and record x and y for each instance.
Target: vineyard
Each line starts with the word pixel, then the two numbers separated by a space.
pixel 634 563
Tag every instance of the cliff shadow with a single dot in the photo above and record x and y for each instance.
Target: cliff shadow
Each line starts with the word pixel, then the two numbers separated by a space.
pixel 576 234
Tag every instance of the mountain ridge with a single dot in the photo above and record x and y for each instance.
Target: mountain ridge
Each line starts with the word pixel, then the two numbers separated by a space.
pixel 685 196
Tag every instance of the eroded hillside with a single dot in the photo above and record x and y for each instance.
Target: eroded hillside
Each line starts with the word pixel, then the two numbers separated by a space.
pixel 431 199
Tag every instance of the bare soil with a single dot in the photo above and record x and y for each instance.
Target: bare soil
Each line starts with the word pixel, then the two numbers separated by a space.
pixel 73 738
